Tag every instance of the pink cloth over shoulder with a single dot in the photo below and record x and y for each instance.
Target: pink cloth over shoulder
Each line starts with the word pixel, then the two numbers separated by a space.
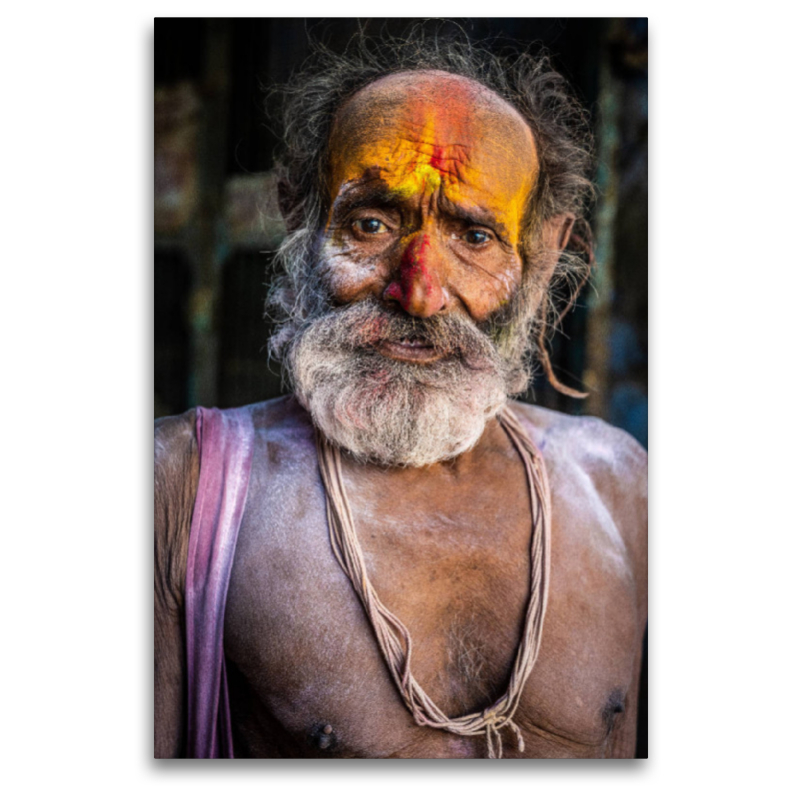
pixel 225 444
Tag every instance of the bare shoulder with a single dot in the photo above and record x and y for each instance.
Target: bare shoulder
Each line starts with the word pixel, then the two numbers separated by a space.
pixel 281 417
pixel 607 453
pixel 284 436
pixel 595 468
pixel 177 457
pixel 175 445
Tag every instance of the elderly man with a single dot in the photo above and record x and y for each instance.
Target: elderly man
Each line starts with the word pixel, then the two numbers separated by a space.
pixel 398 496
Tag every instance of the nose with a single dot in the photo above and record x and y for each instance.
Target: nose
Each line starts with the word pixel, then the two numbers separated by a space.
pixel 419 283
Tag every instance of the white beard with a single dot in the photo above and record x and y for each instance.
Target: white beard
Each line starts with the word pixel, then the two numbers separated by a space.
pixel 392 412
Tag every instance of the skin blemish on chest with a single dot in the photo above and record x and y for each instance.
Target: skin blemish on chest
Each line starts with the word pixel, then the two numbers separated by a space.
pixel 323 737
pixel 614 705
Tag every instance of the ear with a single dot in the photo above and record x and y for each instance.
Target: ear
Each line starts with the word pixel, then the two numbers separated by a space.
pixel 556 232
pixel 553 239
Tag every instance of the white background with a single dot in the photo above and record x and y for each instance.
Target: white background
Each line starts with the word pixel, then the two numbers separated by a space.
pixel 77 401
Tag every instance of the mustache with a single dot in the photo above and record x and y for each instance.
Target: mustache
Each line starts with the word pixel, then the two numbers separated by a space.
pixel 365 324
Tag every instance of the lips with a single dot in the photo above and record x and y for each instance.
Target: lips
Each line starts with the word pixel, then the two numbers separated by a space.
pixel 412 349
pixel 413 342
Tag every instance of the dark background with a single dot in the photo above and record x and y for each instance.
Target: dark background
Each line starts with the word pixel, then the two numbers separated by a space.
pixel 216 222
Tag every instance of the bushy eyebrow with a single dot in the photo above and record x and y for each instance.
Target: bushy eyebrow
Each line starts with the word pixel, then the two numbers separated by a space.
pixel 370 195
pixel 374 193
pixel 471 215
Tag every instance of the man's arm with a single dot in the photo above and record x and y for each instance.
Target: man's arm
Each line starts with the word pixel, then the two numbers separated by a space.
pixel 176 475
pixel 630 493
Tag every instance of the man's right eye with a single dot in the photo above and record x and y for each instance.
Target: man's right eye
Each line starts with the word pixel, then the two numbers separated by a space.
pixel 370 225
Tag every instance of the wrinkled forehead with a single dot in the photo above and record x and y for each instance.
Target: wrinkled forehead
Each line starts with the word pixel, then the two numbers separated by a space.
pixel 458 125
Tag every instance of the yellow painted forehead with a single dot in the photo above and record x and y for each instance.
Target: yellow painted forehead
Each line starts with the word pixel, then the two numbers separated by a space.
pixel 427 132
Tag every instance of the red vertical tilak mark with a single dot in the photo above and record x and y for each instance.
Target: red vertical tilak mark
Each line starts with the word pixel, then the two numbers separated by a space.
pixel 437 159
pixel 413 268
pixel 416 290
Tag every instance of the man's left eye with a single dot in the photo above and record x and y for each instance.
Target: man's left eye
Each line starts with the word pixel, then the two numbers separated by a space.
pixel 476 237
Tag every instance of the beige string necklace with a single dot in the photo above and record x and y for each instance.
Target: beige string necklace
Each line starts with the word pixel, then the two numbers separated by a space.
pixel 394 638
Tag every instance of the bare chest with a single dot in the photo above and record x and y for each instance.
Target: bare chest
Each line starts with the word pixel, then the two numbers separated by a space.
pixel 307 675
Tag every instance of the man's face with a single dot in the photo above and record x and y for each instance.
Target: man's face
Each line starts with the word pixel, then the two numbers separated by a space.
pixel 430 177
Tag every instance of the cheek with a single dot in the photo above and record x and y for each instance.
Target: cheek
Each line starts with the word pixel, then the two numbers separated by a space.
pixel 507 282
pixel 348 275
pixel 485 292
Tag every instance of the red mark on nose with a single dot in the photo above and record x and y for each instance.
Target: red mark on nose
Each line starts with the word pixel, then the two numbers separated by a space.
pixel 418 291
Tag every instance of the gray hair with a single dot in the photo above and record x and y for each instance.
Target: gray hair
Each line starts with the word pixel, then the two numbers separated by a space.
pixel 528 82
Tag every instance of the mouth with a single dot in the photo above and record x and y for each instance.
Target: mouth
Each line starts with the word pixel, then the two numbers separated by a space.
pixel 412 350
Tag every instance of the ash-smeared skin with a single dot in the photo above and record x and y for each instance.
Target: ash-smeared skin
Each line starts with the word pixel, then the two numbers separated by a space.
pixel 428 206
pixel 446 545
pixel 446 549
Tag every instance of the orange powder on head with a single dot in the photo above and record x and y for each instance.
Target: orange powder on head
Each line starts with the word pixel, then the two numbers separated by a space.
pixel 429 133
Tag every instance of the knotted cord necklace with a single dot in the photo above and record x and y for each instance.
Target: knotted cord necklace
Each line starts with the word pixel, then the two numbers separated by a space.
pixel 393 636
